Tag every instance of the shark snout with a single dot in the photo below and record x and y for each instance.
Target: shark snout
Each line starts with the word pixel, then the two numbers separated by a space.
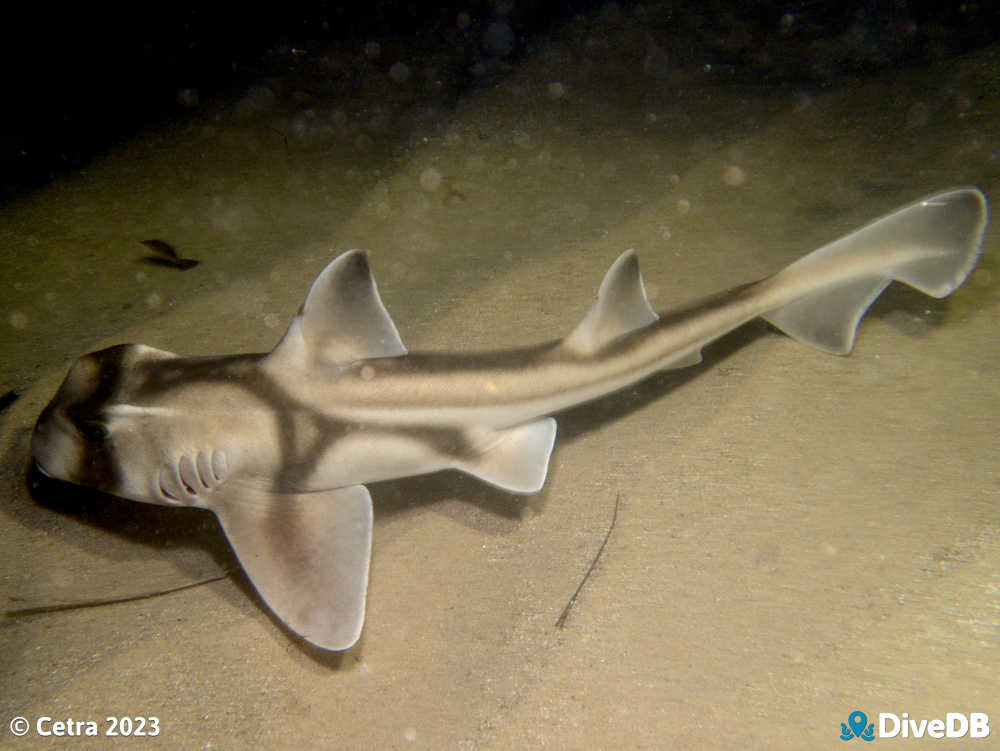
pixel 73 448
pixel 54 446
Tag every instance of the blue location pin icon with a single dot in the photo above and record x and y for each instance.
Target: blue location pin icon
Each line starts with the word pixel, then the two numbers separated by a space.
pixel 857 720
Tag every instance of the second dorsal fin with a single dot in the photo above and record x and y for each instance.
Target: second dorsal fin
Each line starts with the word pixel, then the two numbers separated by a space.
pixel 621 307
pixel 342 320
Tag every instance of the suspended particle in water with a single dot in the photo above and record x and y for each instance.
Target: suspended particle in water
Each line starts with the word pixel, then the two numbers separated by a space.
pixel 733 176
pixel 499 38
pixel 399 72
pixel 187 97
pixel 430 179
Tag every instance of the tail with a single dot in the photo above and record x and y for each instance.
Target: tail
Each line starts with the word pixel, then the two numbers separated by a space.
pixel 931 245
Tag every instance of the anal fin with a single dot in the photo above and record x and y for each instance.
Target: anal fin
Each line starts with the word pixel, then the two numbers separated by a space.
pixel 307 555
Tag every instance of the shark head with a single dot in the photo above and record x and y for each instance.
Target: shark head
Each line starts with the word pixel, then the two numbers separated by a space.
pixel 101 430
pixel 147 425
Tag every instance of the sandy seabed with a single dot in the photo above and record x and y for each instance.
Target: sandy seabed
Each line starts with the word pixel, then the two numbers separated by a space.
pixel 799 536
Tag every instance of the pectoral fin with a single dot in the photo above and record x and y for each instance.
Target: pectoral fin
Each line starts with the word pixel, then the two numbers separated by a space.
pixel 307 554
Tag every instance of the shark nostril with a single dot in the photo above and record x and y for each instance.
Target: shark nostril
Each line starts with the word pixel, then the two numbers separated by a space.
pixel 189 476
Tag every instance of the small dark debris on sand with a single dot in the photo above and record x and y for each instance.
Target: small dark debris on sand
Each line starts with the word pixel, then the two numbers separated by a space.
pixel 167 256
pixel 9 398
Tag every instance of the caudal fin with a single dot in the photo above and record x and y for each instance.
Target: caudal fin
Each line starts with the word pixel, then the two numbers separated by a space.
pixel 931 245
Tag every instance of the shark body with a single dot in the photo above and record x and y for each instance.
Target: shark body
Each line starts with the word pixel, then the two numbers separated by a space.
pixel 280 445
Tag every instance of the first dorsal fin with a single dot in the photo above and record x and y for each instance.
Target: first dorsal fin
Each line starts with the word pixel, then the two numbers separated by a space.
pixel 621 307
pixel 342 320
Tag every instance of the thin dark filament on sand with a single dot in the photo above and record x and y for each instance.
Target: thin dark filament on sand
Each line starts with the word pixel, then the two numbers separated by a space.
pixel 93 603
pixel 561 621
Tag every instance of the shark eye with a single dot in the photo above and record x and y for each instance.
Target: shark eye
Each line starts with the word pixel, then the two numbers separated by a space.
pixel 93 430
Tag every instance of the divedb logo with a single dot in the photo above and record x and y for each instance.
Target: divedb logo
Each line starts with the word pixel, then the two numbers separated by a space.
pixel 954 725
